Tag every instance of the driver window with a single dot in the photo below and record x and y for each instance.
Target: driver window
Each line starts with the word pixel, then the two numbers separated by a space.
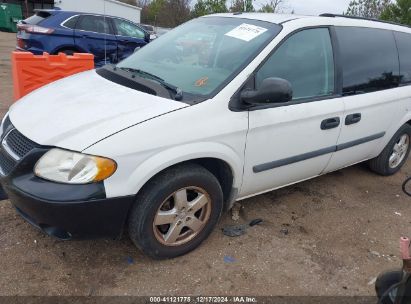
pixel 306 60
pixel 127 29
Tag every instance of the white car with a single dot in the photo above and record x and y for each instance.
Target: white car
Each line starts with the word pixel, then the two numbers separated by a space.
pixel 167 139
pixel 150 29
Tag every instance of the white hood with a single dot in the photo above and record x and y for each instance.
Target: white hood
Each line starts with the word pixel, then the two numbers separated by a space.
pixel 78 111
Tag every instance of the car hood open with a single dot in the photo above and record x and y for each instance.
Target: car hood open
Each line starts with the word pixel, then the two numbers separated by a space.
pixel 80 110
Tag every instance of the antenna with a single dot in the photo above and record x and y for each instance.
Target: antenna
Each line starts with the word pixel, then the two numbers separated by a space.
pixel 105 33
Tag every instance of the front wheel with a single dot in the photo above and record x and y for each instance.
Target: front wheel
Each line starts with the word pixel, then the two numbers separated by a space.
pixel 395 154
pixel 176 211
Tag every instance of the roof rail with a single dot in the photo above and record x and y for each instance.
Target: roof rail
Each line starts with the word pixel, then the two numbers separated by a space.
pixel 363 18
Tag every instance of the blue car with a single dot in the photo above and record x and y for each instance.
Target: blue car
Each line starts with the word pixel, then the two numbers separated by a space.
pixel 110 39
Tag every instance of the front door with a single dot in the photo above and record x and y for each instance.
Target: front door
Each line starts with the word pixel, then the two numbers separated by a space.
pixel 94 35
pixel 291 142
pixel 129 37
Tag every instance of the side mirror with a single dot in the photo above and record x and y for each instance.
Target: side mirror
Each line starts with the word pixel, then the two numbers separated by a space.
pixel 146 37
pixel 272 90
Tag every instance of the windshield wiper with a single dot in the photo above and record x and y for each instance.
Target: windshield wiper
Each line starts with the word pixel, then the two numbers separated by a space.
pixel 176 90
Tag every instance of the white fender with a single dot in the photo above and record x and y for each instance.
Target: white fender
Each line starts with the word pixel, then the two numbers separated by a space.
pixel 120 185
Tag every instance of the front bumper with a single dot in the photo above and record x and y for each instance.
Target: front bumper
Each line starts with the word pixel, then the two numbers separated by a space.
pixel 72 219
pixel 62 210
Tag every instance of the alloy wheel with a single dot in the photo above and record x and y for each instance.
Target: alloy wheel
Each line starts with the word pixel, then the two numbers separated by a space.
pixel 399 151
pixel 182 216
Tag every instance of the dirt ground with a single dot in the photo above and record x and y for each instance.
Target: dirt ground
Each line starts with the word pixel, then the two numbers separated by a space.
pixel 329 236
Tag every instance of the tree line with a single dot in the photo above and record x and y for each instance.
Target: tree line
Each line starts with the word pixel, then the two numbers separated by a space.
pixel 170 13
pixel 398 11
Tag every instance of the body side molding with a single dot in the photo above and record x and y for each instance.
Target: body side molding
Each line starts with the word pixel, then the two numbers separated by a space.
pixel 313 154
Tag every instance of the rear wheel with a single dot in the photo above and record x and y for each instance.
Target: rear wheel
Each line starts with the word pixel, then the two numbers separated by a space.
pixel 176 211
pixel 68 52
pixel 395 154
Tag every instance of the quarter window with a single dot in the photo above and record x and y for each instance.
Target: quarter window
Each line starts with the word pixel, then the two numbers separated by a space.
pixel 97 24
pixel 369 60
pixel 71 23
pixel 128 29
pixel 306 61
pixel 404 49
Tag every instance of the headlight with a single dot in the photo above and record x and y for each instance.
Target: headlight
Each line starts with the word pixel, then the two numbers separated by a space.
pixel 73 168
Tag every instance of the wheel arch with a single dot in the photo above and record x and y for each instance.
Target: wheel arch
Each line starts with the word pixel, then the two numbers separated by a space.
pixel 224 174
pixel 221 169
pixel 67 47
pixel 223 163
pixel 406 119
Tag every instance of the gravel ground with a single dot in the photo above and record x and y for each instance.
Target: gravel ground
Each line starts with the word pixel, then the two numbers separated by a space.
pixel 329 236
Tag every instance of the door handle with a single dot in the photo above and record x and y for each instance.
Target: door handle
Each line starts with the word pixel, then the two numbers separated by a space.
pixel 352 119
pixel 330 123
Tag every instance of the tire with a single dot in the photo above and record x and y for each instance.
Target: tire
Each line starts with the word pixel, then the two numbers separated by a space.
pixel 384 282
pixel 166 200
pixel 67 52
pixel 381 164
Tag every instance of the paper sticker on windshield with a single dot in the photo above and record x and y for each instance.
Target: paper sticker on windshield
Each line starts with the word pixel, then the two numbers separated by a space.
pixel 246 32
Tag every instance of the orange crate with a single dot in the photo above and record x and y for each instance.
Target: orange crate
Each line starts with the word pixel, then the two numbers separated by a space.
pixel 31 72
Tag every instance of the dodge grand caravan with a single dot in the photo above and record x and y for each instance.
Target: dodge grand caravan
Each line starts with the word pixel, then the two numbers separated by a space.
pixel 220 109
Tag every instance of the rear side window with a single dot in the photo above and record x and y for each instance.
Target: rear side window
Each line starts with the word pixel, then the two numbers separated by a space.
pixel 306 61
pixel 71 22
pixel 37 18
pixel 369 60
pixel 96 24
pixel 128 29
pixel 404 48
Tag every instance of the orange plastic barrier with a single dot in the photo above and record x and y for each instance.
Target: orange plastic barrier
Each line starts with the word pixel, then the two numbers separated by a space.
pixel 31 72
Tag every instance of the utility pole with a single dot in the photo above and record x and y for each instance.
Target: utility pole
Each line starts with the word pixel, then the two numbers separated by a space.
pixel 27 8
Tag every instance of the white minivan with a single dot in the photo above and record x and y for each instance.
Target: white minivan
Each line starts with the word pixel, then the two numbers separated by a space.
pixel 220 109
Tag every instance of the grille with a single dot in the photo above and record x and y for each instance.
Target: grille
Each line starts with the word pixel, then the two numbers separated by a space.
pixel 19 144
pixel 6 163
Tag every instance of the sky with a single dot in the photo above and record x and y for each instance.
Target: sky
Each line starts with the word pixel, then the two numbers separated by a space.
pixel 311 7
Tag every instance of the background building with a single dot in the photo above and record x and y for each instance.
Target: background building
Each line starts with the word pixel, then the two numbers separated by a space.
pixel 109 7
pixel 28 6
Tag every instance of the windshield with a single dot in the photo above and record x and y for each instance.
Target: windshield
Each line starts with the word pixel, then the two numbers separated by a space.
pixel 204 54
